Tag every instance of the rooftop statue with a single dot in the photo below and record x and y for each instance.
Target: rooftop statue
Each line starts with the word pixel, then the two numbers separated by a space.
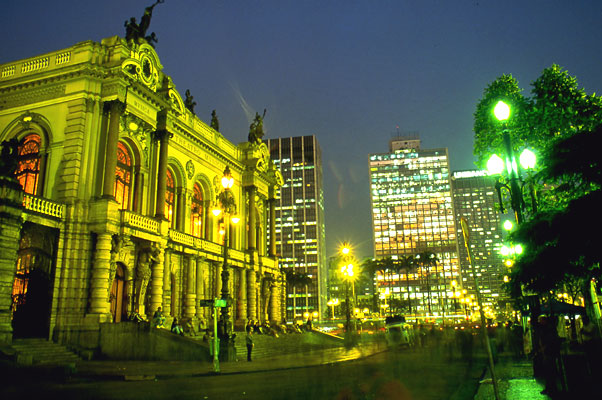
pixel 189 102
pixel 256 128
pixel 133 31
pixel 214 121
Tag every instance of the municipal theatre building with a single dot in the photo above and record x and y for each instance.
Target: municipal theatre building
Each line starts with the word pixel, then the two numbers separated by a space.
pixel 109 190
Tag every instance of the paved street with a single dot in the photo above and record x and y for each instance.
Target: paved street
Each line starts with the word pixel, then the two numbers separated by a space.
pixel 408 374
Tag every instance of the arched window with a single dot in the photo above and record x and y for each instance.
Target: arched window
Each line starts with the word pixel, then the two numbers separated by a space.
pixel 196 215
pixel 123 177
pixel 170 197
pixel 28 169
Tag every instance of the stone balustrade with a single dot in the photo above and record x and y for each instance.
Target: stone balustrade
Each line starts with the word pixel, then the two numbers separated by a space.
pixel 139 221
pixel 43 206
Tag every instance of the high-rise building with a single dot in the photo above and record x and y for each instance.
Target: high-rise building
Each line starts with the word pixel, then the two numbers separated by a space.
pixel 475 199
pixel 300 234
pixel 412 214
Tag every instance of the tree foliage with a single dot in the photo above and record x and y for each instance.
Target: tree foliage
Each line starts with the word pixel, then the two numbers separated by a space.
pixel 562 125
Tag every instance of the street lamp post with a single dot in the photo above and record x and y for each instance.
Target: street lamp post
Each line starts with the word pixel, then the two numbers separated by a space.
pixel 333 303
pixel 496 165
pixel 348 275
pixel 227 205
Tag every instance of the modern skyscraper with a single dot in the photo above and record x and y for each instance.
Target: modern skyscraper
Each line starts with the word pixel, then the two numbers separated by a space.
pixel 412 213
pixel 475 199
pixel 300 234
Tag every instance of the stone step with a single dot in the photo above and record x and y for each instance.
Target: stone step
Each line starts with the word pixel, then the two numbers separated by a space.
pixel 41 351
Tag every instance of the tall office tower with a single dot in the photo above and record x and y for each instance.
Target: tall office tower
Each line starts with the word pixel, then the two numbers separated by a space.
pixel 412 213
pixel 300 235
pixel 475 199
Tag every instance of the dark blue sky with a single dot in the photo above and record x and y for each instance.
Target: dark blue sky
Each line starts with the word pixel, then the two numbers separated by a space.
pixel 349 72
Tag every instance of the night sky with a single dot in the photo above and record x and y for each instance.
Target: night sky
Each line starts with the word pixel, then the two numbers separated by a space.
pixel 354 73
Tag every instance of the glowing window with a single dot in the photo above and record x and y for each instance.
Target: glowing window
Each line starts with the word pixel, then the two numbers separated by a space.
pixel 123 176
pixel 196 214
pixel 28 168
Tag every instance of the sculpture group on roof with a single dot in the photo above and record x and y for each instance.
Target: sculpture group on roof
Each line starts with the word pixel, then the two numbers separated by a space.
pixel 256 128
pixel 135 31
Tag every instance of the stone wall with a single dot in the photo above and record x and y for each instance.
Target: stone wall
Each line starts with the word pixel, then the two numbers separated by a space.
pixel 132 341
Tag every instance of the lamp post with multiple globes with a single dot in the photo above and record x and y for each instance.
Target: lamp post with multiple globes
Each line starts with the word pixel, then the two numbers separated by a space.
pixel 226 205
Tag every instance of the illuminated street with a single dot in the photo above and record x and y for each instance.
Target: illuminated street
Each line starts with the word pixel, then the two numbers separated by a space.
pixel 423 373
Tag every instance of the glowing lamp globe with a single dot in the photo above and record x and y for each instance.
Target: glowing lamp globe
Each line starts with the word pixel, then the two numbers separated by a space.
pixel 495 165
pixel 527 159
pixel 501 111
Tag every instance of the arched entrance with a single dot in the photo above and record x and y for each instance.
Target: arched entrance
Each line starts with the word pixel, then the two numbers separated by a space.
pixel 32 287
pixel 119 295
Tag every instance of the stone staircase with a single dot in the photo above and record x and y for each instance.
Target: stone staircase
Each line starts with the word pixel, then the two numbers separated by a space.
pixel 42 352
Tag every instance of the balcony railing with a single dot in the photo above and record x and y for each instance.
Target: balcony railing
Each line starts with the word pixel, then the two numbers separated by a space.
pixel 43 206
pixel 139 221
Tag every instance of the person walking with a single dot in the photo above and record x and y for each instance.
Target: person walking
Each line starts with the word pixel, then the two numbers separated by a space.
pixel 249 341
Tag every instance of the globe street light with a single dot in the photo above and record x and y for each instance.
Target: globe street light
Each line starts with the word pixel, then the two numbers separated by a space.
pixel 348 276
pixel 496 165
pixel 226 204
pixel 332 303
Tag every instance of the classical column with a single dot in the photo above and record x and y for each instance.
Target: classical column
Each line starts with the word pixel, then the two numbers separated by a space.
pixel 251 295
pixel 252 234
pixel 11 206
pixel 241 298
pixel 183 209
pixel 138 187
pixel 163 138
pixel 116 108
pixel 157 279
pixel 190 297
pixel 200 289
pixel 207 220
pixel 99 284
pixel 167 294
pixel 275 302
pixel 272 204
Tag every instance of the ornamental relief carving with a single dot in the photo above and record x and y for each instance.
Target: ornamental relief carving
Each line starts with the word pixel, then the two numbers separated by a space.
pixel 143 66
pixel 138 130
pixel 32 96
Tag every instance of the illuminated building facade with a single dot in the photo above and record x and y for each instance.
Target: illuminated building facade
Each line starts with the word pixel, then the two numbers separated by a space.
pixel 300 234
pixel 108 211
pixel 475 199
pixel 412 213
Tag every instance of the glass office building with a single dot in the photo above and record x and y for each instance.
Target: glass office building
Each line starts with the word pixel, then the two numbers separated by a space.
pixel 412 213
pixel 300 234
pixel 475 199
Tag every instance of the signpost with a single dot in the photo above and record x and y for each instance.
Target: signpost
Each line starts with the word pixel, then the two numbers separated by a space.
pixel 215 303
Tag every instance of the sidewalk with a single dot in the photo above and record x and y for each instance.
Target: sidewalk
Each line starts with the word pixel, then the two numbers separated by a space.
pixel 143 370
pixel 515 381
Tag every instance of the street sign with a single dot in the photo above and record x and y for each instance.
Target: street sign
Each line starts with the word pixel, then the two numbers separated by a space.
pixel 213 303
pixel 221 303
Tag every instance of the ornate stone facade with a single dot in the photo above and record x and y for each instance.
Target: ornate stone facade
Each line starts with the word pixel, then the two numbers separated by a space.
pixel 123 177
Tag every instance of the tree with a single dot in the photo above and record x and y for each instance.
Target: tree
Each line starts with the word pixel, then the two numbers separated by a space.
pixel 426 260
pixel 369 268
pixel 557 108
pixel 561 123
pixel 297 281
pixel 407 264
pixel 559 247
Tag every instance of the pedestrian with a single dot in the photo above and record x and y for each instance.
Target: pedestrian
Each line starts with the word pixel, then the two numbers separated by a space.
pixel 176 327
pixel 158 318
pixel 249 341
pixel 549 351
